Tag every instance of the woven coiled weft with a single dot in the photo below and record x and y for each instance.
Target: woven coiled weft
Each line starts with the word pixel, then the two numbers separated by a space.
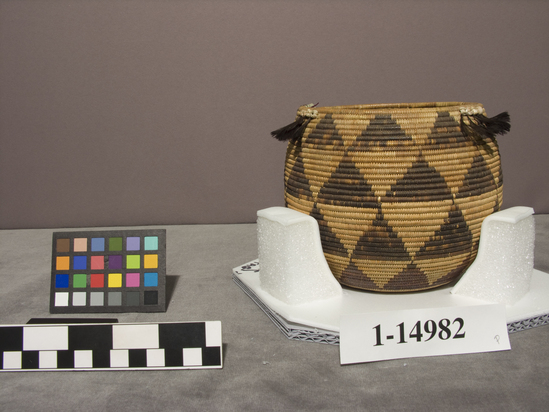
pixel 399 191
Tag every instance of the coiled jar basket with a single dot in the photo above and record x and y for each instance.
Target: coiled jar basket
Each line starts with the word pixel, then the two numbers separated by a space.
pixel 399 190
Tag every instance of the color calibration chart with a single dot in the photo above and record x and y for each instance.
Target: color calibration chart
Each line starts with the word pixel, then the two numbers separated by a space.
pixel 137 346
pixel 108 271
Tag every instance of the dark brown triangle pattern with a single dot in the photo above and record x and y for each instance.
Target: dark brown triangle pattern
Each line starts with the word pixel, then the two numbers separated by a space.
pixel 455 272
pixel 453 238
pixel 325 131
pixel 382 129
pixel 446 129
pixel 422 182
pixel 381 240
pixel 478 178
pixel 351 274
pixel 331 243
pixel 401 281
pixel 300 186
pixel 346 184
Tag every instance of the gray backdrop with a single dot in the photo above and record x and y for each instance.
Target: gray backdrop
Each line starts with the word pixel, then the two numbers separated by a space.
pixel 159 112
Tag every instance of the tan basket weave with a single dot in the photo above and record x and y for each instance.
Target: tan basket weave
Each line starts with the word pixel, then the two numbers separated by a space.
pixel 399 190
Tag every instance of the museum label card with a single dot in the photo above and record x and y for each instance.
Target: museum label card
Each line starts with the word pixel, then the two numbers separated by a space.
pixel 376 336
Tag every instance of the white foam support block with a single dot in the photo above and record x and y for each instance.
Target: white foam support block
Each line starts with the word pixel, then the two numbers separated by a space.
pixel 293 267
pixel 502 270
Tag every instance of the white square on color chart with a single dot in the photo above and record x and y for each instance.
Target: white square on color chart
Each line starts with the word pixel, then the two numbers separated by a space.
pixel 47 359
pixel 155 358
pixel 12 360
pixel 192 356
pixel 83 358
pixel 120 358
pixel 62 299
pixel 79 299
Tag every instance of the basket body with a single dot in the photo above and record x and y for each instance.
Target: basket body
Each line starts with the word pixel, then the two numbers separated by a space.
pixel 399 192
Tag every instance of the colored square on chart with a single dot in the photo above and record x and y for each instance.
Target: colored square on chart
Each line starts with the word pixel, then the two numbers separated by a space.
pixel 115 298
pixel 80 244
pixel 150 261
pixel 98 244
pixel 150 279
pixel 61 299
pixel 151 297
pixel 79 299
pixel 115 280
pixel 97 280
pixel 97 298
pixel 63 263
pixel 63 245
pixel 132 298
pixel 115 262
pixel 97 262
pixel 79 281
pixel 133 243
pixel 115 244
pixel 108 271
pixel 61 281
pixel 80 263
pixel 132 280
pixel 133 261
pixel 151 243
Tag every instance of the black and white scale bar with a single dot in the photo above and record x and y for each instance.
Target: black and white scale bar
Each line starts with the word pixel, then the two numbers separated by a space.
pixel 119 346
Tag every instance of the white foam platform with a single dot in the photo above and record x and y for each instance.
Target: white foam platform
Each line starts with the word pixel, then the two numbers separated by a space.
pixel 319 321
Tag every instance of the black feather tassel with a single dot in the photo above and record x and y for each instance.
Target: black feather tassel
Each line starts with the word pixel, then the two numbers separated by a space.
pixel 293 131
pixel 480 126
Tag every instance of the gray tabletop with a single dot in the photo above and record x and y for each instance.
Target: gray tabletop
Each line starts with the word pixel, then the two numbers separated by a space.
pixel 262 369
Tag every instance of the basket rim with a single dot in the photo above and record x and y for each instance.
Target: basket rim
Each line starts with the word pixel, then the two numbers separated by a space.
pixel 393 106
